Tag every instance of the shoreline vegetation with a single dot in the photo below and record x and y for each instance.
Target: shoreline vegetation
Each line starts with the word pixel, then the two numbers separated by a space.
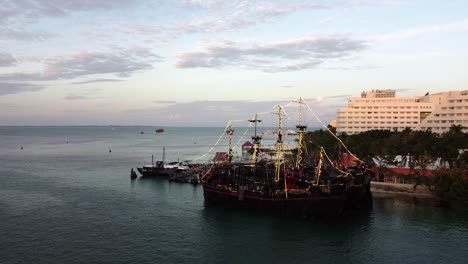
pixel 437 163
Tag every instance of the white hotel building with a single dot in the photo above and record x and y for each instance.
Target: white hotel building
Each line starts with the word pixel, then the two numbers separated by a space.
pixel 381 109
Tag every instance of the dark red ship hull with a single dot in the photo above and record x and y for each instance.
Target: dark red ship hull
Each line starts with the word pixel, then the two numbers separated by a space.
pixel 358 199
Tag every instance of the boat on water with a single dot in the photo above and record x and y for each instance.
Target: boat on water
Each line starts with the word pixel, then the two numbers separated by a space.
pixel 270 132
pixel 159 130
pixel 289 186
pixel 161 168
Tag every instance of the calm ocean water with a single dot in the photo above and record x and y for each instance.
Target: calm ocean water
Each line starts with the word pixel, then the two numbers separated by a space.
pixel 75 203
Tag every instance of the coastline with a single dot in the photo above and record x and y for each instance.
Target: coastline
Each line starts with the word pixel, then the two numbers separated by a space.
pixel 398 189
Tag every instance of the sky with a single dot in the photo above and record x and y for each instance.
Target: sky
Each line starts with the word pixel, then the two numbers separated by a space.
pixel 205 62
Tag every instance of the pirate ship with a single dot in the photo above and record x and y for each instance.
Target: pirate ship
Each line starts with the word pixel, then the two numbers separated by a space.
pixel 290 185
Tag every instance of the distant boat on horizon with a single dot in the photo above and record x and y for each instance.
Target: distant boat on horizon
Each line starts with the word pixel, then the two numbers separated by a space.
pixel 159 130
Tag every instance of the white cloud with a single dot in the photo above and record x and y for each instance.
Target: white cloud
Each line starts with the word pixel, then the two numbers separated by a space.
pixel 34 8
pixel 6 59
pixel 122 63
pixel 98 81
pixel 454 26
pixel 14 88
pixel 289 55
pixel 231 15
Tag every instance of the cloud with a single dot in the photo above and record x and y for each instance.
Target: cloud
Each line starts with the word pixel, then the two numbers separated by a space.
pixel 121 63
pixel 454 26
pixel 220 112
pixel 76 97
pixel 164 102
pixel 35 8
pixel 6 59
pixel 9 33
pixel 283 56
pixel 5 14
pixel 17 15
pixel 89 94
pixel 339 96
pixel 236 14
pixel 15 88
pixel 98 81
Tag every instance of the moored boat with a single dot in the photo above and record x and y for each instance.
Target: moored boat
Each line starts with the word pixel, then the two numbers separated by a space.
pixel 291 186
pixel 160 168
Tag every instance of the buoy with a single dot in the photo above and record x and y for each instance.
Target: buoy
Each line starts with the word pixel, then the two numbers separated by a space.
pixel 110 150
pixel 21 147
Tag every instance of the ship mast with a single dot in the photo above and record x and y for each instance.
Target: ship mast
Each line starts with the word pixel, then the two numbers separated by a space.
pixel 256 138
pixel 279 149
pixel 319 169
pixel 301 129
pixel 230 132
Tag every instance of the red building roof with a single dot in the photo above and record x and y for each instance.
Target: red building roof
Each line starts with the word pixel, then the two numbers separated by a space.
pixel 247 144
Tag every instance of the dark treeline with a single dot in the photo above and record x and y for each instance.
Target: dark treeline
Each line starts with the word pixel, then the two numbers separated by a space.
pixel 421 147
